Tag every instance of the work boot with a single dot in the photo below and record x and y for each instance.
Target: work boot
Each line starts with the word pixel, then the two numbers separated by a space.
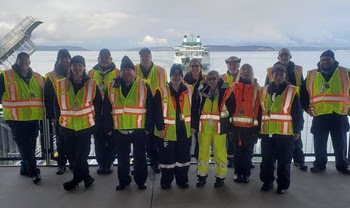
pixel 202 180
pixel 237 178
pixel 24 170
pixel 36 178
pixel 266 186
pixel 123 186
pixel 61 170
pixel 230 163
pixel 244 179
pixel 219 182
pixel 183 185
pixel 142 186
pixel 301 166
pixel 100 170
pixel 344 171
pixel 109 170
pixel 165 186
pixel 70 185
pixel 88 181
pixel 280 190
pixel 317 169
pixel 155 168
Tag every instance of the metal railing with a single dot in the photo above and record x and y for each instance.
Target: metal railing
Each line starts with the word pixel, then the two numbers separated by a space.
pixel 46 144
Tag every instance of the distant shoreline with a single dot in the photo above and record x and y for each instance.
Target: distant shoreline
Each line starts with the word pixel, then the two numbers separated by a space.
pixel 212 48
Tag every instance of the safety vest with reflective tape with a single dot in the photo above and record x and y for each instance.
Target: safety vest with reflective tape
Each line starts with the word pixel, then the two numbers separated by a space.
pixel 53 76
pixel 102 80
pixel 169 111
pixel 156 77
pixel 22 101
pixel 228 78
pixel 247 104
pixel 128 112
pixel 276 116
pixel 77 110
pixel 298 73
pixel 328 97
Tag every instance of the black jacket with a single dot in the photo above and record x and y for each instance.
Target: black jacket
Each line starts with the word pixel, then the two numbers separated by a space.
pixel 107 107
pixel 49 93
pixel 180 124
pixel 225 124
pixel 97 102
pixel 296 110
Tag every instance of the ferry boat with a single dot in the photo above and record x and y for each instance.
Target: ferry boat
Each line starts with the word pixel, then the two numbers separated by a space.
pixel 191 47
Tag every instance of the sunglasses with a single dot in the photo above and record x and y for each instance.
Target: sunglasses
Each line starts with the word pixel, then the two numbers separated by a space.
pixel 193 66
pixel 211 78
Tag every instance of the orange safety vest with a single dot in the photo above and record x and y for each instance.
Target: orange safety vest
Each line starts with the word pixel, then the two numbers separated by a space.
pixel 247 104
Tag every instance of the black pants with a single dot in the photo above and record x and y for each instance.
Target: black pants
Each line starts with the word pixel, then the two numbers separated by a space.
pixel 63 155
pixel 25 134
pixel 196 146
pixel 174 159
pixel 152 150
pixel 278 148
pixel 243 156
pixel 229 145
pixel 298 153
pixel 78 148
pixel 104 148
pixel 123 147
pixel 337 125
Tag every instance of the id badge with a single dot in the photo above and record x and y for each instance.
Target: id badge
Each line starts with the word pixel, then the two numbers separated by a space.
pixel 210 122
pixel 101 87
pixel 32 95
pixel 269 112
pixel 75 106
pixel 182 117
pixel 241 112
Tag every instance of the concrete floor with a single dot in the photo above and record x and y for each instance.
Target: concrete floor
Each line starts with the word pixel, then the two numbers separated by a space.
pixel 328 189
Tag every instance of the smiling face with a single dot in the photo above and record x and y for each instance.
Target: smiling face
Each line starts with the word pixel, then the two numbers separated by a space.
pixel 326 63
pixel 176 80
pixel 279 77
pixel 233 67
pixel 64 62
pixel 23 63
pixel 246 72
pixel 213 81
pixel 146 60
pixel 195 67
pixel 77 70
pixel 284 56
pixel 105 61
pixel 128 75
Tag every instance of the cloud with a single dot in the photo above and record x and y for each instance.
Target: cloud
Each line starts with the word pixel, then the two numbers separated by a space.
pixel 153 40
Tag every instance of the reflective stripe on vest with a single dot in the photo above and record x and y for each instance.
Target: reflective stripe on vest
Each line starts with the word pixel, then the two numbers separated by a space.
pixel 169 111
pixel 245 114
pixel 129 116
pixel 209 121
pixel 328 97
pixel 276 118
pixel 77 110
pixel 22 101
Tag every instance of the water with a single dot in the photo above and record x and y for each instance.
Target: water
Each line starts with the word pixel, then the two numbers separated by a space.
pixel 43 62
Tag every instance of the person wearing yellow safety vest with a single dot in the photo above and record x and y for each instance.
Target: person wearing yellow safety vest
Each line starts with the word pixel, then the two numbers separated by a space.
pixel 245 122
pixel 281 122
pixel 173 109
pixel 232 63
pixel 325 97
pixel 60 71
pixel 295 77
pixel 127 115
pixel 21 92
pixel 196 78
pixel 80 103
pixel 216 108
pixel 156 77
pixel 103 73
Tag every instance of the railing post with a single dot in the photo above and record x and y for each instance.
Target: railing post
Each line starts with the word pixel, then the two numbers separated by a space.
pixel 47 141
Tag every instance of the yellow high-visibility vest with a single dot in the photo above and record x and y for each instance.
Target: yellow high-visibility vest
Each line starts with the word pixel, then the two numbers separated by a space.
pixel 156 77
pixel 169 111
pixel 128 112
pixel 276 116
pixel 328 97
pixel 298 73
pixel 22 101
pixel 103 81
pixel 54 77
pixel 77 110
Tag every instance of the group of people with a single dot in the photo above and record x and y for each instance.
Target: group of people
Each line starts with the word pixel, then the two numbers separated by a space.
pixel 136 105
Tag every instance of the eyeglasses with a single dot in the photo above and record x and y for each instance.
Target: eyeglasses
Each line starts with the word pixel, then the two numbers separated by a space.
pixel 211 78
pixel 194 66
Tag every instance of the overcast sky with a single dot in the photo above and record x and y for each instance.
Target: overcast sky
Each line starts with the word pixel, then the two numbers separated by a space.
pixel 117 24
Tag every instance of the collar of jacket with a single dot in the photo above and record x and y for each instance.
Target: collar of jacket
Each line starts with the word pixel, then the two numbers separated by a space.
pixel 18 70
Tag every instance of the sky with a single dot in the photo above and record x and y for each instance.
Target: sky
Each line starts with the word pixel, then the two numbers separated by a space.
pixel 117 24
